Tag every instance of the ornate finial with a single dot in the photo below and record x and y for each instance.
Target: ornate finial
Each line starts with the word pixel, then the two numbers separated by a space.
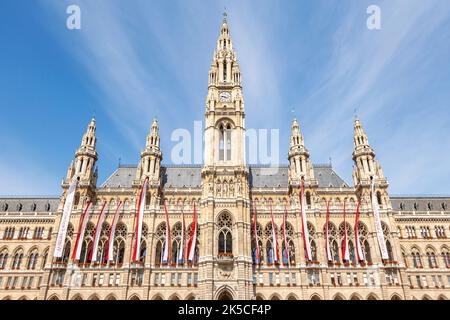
pixel 331 163
pixel 225 15
pixel 119 162
pixel 355 112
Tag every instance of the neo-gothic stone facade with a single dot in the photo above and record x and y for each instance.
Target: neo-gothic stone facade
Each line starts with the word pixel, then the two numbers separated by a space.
pixel 225 190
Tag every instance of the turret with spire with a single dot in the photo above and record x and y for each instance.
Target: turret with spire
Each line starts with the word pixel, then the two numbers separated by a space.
pixel 366 168
pixel 85 158
pixel 151 157
pixel 298 156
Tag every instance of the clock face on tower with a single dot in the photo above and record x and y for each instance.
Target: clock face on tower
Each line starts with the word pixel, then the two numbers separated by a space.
pixel 225 96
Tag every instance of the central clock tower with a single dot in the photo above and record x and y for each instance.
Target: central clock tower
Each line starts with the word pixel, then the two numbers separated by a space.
pixel 225 265
pixel 225 118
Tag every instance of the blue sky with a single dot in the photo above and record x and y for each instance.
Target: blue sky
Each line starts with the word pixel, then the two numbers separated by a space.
pixel 133 60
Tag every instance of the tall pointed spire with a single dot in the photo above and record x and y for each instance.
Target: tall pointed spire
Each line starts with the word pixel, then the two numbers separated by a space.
pixel 300 164
pixel 366 167
pixel 86 156
pixel 224 97
pixel 151 156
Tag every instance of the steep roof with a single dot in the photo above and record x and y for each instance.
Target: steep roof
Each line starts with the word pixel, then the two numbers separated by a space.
pixel 190 177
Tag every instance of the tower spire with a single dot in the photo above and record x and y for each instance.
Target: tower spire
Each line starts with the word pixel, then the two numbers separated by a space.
pixel 86 156
pixel 151 156
pixel 300 164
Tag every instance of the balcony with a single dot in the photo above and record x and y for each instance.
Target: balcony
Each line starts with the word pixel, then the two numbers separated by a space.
pixel 225 258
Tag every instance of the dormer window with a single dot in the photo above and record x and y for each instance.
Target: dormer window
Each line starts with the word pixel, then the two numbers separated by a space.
pixel 19 207
pixel 430 206
pixel 416 206
pixel 402 206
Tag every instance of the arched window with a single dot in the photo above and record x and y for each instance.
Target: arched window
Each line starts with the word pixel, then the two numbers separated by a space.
pixel 431 258
pixel 118 250
pixel 160 243
pixel 332 240
pixel 445 257
pixel 177 231
pixel 86 247
pixel 415 255
pixel 17 260
pixel 367 254
pixel 224 224
pixel 119 243
pixel 3 259
pixel 259 235
pixel 32 260
pixel 221 143
pixel 351 250
pixel 389 251
pixel 228 146
pixel 269 252
pixel 143 251
pixel 103 244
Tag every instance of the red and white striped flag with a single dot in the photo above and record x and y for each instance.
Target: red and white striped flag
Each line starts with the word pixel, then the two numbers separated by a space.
pixel 286 248
pixel 359 252
pixel 305 232
pixel 327 237
pixel 255 235
pixel 193 238
pixel 139 219
pixel 166 254
pixel 180 258
pixel 98 231
pixel 112 234
pixel 345 253
pixel 276 255
pixel 65 217
pixel 378 228
pixel 81 228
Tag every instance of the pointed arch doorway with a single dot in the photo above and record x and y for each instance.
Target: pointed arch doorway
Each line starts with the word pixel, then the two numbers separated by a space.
pixel 225 294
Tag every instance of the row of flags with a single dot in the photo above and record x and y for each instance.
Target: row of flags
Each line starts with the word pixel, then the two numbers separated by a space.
pixel 193 237
pixel 305 234
pixel 93 255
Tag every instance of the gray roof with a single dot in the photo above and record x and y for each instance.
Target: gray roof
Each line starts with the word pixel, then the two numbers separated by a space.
pixel 28 204
pixel 190 177
pixel 420 203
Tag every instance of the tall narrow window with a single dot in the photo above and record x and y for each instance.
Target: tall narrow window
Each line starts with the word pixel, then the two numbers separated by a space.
pixel 228 143
pixel 225 236
pixel 221 144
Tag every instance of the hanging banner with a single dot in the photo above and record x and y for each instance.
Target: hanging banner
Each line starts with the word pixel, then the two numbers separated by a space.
pixel 276 255
pixel 345 253
pixel 139 219
pixel 166 254
pixel 378 228
pixel 98 231
pixel 359 252
pixel 286 248
pixel 327 237
pixel 193 239
pixel 65 218
pixel 81 229
pixel 305 232
pixel 255 235
pixel 180 258
pixel 112 234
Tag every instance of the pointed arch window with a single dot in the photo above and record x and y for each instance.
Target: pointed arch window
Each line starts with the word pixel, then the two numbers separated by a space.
pixel 225 247
pixel 221 143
